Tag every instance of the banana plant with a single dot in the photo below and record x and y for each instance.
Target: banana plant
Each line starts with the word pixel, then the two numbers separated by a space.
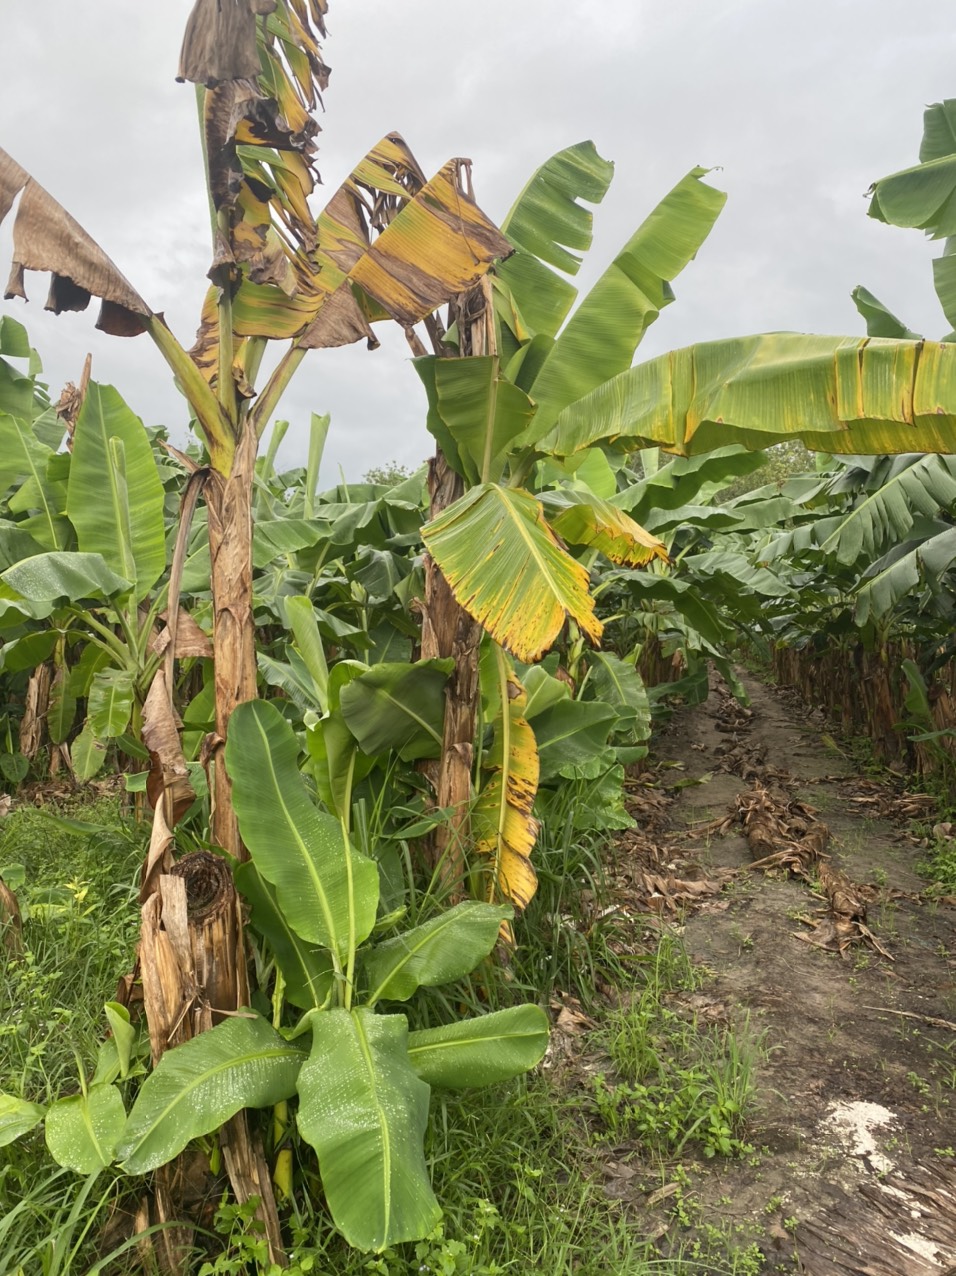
pixel 363 1084
pixel 100 599
pixel 489 413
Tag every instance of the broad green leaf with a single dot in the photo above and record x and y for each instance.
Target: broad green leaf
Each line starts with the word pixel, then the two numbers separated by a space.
pixel 300 617
pixel 17 1117
pixel 507 569
pixel 110 703
pixel 922 197
pixel 14 766
pixel 571 733
pixel 14 341
pixel 502 822
pixel 115 498
pixel 306 969
pixel 196 1087
pixel 328 892
pixel 61 713
pixel 398 706
pixel 542 690
pixel 27 652
pixel 15 544
pixel 442 949
pixel 338 764
pixel 616 682
pixel 916 485
pixel 24 458
pixel 890 582
pixel 548 227
pixel 474 413
pixel 546 219
pixel 483 1051
pixel 584 519
pixel 944 281
pixel 599 340
pixel 685 479
pixel 838 394
pixel 83 1130
pixel 939 131
pixel 364 1110
pixel 880 322
pixel 87 754
pixel 62 576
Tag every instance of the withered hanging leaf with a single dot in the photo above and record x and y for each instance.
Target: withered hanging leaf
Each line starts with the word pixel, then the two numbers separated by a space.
pixel 47 238
pixel 159 856
pixel 168 780
pixel 220 41
pixel 504 828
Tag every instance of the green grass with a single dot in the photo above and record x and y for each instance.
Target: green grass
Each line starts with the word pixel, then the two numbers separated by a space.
pixel 672 1082
pixel 517 1168
pixel 80 928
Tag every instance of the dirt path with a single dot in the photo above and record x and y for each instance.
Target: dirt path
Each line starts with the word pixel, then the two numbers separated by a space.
pixel 854 1169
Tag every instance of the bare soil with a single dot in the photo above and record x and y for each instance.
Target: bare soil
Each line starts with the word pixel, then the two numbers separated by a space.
pixel 854 1165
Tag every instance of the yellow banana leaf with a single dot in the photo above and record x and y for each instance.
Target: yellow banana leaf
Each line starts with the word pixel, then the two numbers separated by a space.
pixel 434 243
pixel 584 519
pixel 505 830
pixel 507 568
pixel 838 394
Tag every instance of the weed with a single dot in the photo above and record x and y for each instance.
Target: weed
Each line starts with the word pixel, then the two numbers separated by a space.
pixel 940 866
pixel 672 1081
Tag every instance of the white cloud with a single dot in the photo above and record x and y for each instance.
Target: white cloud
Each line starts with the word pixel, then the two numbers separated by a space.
pixel 803 106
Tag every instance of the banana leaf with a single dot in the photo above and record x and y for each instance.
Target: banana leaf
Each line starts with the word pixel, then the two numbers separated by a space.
pixel 364 1110
pixel 197 1086
pixel 115 499
pixel 398 706
pixel 445 948
pixel 474 413
pixel 63 576
pixel 866 396
pixel 549 227
pixel 24 459
pixel 584 519
pixel 17 1117
pixel 306 968
pixel 599 340
pixel 504 827
pixel 508 570
pixel 327 891
pixel 482 1051
pixel 82 1131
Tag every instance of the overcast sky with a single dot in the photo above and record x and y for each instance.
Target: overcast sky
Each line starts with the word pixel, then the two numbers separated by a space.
pixel 801 105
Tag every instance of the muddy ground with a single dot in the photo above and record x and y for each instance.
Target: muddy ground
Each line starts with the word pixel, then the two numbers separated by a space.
pixel 854 1136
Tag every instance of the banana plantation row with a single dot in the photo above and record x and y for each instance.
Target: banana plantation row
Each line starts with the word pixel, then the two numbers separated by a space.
pixel 358 704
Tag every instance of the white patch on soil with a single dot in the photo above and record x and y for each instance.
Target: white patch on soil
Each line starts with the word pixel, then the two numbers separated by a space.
pixel 854 1123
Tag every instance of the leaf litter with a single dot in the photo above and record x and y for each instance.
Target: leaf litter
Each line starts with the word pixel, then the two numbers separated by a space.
pixel 728 861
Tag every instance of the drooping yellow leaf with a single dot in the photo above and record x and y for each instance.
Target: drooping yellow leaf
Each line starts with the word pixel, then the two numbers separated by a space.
pixel 865 395
pixel 584 519
pixel 508 570
pixel 505 830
